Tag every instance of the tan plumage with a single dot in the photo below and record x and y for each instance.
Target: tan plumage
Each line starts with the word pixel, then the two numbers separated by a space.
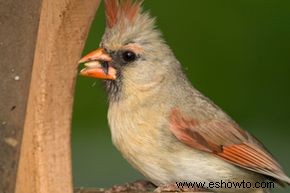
pixel 162 125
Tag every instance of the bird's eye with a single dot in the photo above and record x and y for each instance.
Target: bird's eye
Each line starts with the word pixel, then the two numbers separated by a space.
pixel 129 56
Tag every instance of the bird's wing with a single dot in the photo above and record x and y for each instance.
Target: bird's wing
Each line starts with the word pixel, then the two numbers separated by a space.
pixel 227 141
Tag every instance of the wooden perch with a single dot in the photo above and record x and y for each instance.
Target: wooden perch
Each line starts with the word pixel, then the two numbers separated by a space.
pixel 89 190
pixel 98 190
pixel 101 190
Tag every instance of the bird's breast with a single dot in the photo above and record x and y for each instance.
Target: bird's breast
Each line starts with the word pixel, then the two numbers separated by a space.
pixel 136 132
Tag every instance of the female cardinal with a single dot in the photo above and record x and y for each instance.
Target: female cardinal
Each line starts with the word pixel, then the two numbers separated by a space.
pixel 160 123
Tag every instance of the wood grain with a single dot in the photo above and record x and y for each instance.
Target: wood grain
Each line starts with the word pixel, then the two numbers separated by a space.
pixel 45 158
pixel 18 32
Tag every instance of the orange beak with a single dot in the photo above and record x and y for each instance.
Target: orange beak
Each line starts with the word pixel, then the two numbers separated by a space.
pixel 97 65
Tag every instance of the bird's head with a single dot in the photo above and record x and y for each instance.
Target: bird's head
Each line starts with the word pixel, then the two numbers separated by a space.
pixel 132 54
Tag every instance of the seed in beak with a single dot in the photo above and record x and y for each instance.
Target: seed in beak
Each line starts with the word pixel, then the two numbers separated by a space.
pixel 93 64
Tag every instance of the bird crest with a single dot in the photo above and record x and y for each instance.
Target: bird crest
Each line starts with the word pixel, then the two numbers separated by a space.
pixel 120 10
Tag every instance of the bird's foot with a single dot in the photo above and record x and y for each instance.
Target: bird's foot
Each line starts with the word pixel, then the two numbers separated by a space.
pixel 175 188
pixel 137 186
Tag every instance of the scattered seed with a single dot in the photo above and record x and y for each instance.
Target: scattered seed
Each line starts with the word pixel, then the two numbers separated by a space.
pixel 94 84
pixel 16 78
pixel 11 141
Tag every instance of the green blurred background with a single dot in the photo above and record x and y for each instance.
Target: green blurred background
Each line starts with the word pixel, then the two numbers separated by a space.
pixel 236 52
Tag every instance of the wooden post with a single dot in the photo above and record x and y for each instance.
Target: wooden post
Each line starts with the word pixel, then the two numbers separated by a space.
pixel 45 158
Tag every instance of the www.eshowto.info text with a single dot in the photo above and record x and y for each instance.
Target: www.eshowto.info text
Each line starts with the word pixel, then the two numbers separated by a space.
pixel 222 184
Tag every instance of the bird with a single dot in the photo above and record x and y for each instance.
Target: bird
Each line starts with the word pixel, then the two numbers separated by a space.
pixel 162 125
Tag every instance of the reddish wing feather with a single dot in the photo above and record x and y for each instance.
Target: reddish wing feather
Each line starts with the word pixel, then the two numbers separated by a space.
pixel 227 141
